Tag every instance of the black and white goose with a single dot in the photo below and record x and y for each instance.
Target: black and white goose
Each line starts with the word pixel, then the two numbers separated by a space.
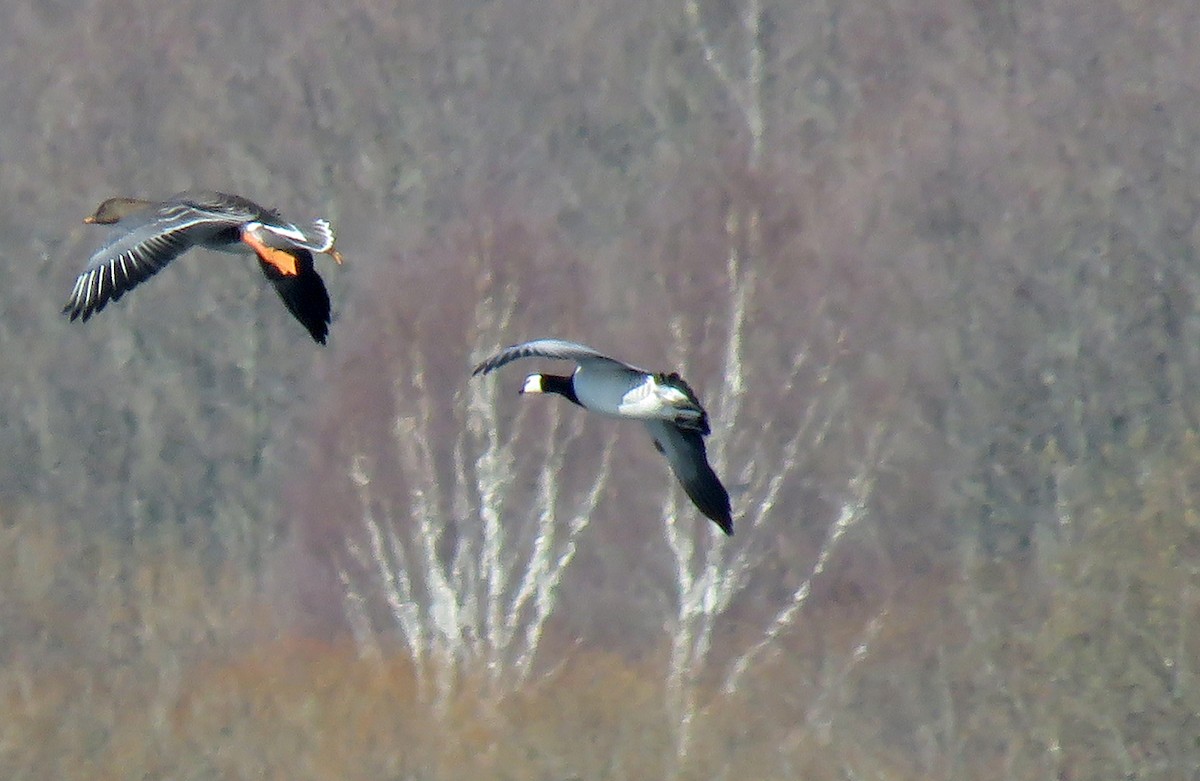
pixel 664 402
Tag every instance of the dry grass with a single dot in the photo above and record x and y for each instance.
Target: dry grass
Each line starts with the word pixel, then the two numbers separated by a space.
pixel 171 668
pixel 930 264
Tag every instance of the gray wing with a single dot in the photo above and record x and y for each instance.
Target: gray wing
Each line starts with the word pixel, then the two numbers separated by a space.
pixel 316 235
pixel 138 247
pixel 219 206
pixel 547 348
pixel 685 451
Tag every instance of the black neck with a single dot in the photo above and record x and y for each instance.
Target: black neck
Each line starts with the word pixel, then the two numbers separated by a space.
pixel 563 386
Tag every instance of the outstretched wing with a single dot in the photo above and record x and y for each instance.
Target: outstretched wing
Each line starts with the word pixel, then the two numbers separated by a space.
pixel 303 292
pixel 546 348
pixel 685 451
pixel 138 247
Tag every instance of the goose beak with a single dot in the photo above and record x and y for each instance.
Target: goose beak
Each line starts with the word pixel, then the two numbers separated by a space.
pixel 89 220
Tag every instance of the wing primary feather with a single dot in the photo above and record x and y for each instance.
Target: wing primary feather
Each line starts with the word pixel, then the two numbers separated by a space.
pixel 555 349
pixel 93 290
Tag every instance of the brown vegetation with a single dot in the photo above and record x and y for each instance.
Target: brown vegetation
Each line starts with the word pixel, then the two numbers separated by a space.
pixel 929 265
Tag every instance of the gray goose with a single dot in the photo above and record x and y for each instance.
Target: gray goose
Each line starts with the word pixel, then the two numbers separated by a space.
pixel 147 235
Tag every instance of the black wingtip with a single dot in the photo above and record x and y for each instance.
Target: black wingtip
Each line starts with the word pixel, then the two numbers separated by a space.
pixel 75 310
pixel 710 497
pixel 487 365
pixel 708 494
pixel 712 500
pixel 316 324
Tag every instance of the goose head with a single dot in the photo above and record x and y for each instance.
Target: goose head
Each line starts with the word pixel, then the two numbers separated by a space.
pixel 533 384
pixel 551 383
pixel 114 210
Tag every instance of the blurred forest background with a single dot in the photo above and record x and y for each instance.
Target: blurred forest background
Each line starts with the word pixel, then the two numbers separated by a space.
pixel 931 265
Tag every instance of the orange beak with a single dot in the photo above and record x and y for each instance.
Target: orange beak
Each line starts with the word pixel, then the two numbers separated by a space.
pixel 89 220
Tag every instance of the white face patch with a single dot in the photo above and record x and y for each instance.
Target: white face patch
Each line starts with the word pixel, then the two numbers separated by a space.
pixel 533 384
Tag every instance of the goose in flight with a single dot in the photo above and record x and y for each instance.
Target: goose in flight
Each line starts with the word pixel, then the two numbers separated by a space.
pixel 663 402
pixel 147 235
